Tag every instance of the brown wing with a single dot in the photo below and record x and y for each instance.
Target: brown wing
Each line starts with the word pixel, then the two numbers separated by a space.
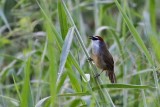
pixel 108 59
pixel 109 64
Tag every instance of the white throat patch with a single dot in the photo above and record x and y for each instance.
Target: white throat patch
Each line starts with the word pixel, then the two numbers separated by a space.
pixel 95 46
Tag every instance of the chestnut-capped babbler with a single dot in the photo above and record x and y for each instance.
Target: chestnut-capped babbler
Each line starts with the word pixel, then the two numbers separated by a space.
pixel 102 57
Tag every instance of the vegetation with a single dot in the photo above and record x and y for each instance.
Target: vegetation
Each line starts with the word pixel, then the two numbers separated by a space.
pixel 44 48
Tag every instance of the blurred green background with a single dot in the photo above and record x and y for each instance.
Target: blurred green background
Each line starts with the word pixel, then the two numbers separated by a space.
pixel 44 48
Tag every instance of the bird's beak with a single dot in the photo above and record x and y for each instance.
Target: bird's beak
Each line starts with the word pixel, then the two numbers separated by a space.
pixel 90 37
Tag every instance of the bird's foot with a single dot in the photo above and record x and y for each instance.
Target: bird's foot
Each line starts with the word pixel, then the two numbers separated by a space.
pixel 97 75
pixel 90 59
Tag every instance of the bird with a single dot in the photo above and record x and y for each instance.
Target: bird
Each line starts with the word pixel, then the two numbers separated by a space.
pixel 102 57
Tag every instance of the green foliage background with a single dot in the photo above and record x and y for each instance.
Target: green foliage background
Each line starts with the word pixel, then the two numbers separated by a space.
pixel 44 48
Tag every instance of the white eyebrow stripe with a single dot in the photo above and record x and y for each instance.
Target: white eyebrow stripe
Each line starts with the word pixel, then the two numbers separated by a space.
pixel 96 37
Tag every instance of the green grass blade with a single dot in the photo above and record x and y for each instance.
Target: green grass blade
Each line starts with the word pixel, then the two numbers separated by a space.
pixel 40 102
pixel 76 30
pixel 61 81
pixel 27 100
pixel 155 45
pixel 73 79
pixel 75 94
pixel 124 86
pixel 40 71
pixel 15 84
pixel 65 51
pixel 76 103
pixel 62 19
pixel 12 100
pixel 152 11
pixel 75 63
pixel 2 15
pixel 11 57
pixel 115 86
pixel 142 71
pixel 52 63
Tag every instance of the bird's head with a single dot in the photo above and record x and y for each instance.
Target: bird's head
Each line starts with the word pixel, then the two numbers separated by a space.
pixel 96 38
pixel 97 43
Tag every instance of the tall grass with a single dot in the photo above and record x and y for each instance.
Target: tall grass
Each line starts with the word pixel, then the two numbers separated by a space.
pixel 44 52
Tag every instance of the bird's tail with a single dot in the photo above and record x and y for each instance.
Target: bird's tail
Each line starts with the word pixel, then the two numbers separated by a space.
pixel 112 77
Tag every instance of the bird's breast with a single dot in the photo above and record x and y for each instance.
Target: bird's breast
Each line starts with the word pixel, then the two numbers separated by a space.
pixel 97 55
pixel 98 60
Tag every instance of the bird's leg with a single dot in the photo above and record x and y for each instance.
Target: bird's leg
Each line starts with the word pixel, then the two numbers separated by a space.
pixel 97 75
pixel 90 59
